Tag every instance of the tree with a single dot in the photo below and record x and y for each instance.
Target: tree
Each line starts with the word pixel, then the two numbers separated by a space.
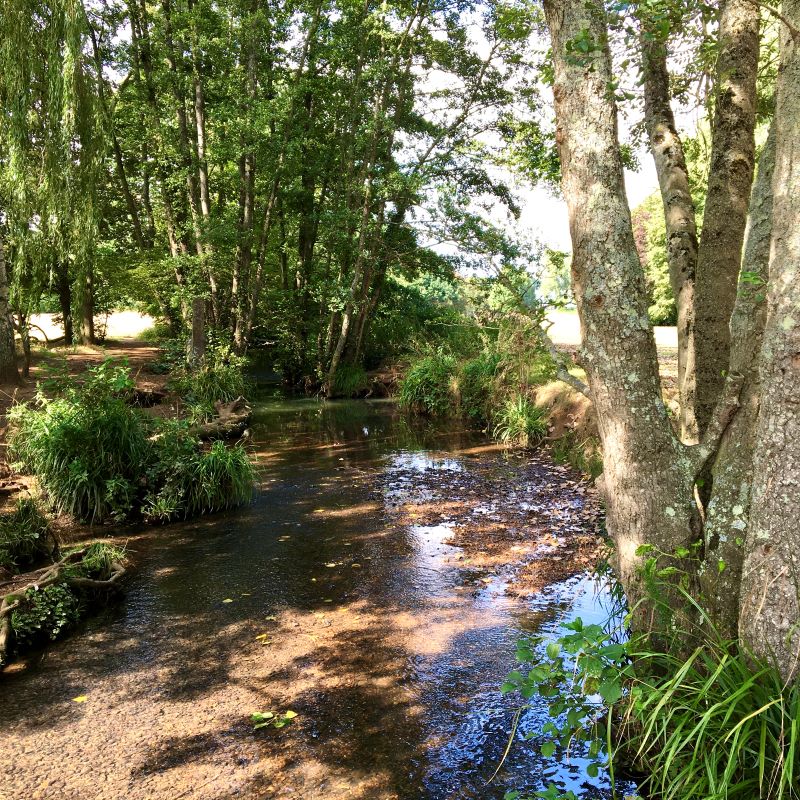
pixel 652 470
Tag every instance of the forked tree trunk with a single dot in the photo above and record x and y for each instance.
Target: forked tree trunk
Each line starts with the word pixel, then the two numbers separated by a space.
pixel 770 600
pixel 679 215
pixel 727 512
pixel 730 179
pixel 648 476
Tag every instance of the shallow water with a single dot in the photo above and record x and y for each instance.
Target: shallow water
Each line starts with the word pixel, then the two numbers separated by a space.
pixel 316 599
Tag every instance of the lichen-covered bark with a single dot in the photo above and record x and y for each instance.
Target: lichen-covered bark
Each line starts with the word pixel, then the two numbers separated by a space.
pixel 770 605
pixel 648 483
pixel 729 183
pixel 729 507
pixel 679 214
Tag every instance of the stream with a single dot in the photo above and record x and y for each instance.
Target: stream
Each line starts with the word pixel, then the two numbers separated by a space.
pixel 318 598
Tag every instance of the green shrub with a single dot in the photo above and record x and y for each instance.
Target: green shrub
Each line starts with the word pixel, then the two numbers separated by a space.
pixel 476 383
pixel 87 447
pixel 157 332
pixel 428 385
pixel 98 561
pixel 520 422
pixel 25 536
pixel 45 614
pixel 187 481
pixel 96 456
pixel 219 377
pixel 350 381
pixel 712 724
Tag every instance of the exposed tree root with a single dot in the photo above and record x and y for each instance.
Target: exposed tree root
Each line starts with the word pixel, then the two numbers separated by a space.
pixel 47 576
pixel 231 420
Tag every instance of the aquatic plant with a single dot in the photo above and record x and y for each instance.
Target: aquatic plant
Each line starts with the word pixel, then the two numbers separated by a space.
pixel 713 723
pixel 86 447
pixel 96 456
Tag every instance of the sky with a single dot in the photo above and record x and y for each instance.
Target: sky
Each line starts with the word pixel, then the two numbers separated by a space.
pixel 545 215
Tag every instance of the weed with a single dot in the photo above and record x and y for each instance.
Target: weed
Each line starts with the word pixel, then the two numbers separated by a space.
pixel 45 614
pixel 350 381
pixel 25 536
pixel 520 422
pixel 428 385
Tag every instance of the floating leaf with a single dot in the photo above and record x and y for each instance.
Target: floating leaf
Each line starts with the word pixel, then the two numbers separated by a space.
pixel 227 600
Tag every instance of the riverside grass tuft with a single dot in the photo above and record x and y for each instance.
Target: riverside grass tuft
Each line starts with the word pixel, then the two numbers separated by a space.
pixel 714 723
pixel 97 457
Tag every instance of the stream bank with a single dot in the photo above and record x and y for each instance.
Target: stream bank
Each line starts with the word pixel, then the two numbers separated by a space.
pixel 361 590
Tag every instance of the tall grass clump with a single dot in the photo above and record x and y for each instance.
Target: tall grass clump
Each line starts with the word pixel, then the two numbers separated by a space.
pixel 87 447
pixel 25 537
pixel 520 422
pixel 96 456
pixel 187 481
pixel 429 385
pixel 350 381
pixel 699 721
pixel 476 384
pixel 218 377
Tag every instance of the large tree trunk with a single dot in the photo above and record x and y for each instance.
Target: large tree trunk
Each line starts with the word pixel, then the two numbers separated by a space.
pixel 729 183
pixel 679 214
pixel 727 512
pixel 648 477
pixel 8 351
pixel 770 600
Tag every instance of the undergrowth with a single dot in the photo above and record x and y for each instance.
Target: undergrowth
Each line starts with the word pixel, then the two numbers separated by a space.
pixel 350 380
pixel 713 723
pixel 25 537
pixel 520 422
pixel 98 457
pixel 428 386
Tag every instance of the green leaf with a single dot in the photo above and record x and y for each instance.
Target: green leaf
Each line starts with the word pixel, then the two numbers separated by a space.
pixel 548 749
pixel 610 691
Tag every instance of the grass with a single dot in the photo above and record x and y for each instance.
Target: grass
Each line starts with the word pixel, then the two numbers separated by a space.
pixel 429 384
pixel 25 537
pixel 703 722
pixel 520 422
pixel 350 381
pixel 96 456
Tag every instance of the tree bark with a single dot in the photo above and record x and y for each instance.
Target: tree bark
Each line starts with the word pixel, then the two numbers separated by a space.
pixel 728 510
pixel 647 480
pixel 770 601
pixel 8 350
pixel 679 215
pixel 729 182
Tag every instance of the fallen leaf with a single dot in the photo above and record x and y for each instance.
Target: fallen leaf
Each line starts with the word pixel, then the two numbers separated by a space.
pixel 82 698
pixel 356 566
pixel 227 600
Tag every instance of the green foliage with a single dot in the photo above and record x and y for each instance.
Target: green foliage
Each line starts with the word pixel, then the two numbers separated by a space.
pixel 219 377
pixel 428 386
pixel 96 456
pixel 25 536
pixel 650 235
pixel 269 719
pixel 520 422
pixel 476 382
pixel 187 481
pixel 98 561
pixel 351 381
pixel 44 614
pixel 713 723
pixel 86 447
